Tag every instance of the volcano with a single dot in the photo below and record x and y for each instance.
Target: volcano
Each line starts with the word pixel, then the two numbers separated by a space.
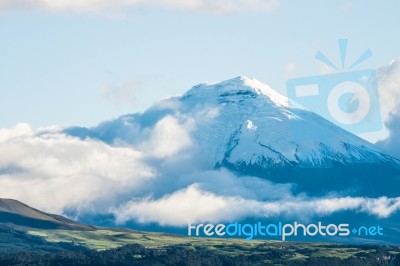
pixel 245 126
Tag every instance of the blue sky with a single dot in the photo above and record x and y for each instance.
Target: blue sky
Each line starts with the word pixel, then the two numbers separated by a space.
pixel 80 65
pixel 74 62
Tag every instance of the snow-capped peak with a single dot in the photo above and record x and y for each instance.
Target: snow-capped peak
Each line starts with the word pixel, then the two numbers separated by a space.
pixel 237 89
pixel 257 125
pixel 242 121
pixel 262 88
pixel 244 126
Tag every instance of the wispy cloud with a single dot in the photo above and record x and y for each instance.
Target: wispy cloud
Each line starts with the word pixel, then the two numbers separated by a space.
pixel 120 6
pixel 120 93
pixel 389 94
pixel 150 181
pixel 392 142
pixel 168 137
pixel 194 205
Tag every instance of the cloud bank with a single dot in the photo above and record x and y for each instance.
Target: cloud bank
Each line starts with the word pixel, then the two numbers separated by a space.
pixel 389 83
pixel 192 205
pixel 389 93
pixel 159 184
pixel 55 172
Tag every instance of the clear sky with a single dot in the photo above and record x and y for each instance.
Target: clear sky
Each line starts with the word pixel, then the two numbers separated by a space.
pixel 79 64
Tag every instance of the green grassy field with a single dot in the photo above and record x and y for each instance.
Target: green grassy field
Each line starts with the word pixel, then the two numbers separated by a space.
pixel 31 237
pixel 108 239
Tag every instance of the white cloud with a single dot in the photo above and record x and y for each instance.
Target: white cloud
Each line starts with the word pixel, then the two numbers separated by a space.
pixel 388 77
pixel 213 6
pixel 54 172
pixel 168 137
pixel 194 205
pixel 389 88
pixel 389 94
pixel 382 207
pixel 392 142
pixel 20 130
pixel 182 207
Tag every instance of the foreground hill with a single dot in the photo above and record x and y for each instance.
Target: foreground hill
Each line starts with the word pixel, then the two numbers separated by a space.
pixel 18 213
pixel 38 243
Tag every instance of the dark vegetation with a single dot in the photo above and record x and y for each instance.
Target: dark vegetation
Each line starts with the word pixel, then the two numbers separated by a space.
pixel 135 254
pixel 18 246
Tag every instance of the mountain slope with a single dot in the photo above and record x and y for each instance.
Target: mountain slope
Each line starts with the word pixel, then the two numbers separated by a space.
pixel 15 212
pixel 244 125
pixel 256 125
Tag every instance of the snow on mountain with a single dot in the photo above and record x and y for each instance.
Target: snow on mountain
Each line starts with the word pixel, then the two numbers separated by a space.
pixel 256 125
pixel 244 125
